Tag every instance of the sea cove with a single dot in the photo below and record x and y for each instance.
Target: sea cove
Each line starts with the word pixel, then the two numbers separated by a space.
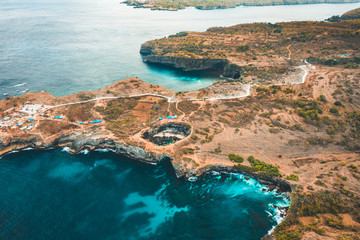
pixel 53 194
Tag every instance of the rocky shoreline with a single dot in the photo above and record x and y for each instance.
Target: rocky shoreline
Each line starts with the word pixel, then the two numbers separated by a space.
pixel 77 144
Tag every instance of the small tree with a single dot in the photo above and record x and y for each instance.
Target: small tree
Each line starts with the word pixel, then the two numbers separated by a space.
pixel 322 98
pixel 235 158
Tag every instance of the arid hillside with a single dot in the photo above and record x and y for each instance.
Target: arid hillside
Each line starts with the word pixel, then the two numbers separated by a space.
pixel 260 52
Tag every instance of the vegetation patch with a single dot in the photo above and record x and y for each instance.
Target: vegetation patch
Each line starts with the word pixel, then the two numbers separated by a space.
pixel 259 167
pixel 314 204
pixel 235 158
pixel 292 177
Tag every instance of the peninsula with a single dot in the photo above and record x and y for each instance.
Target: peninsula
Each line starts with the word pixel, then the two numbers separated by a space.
pixel 174 5
pixel 289 116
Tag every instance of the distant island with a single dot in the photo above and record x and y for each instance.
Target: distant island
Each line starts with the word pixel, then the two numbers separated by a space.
pixel 174 5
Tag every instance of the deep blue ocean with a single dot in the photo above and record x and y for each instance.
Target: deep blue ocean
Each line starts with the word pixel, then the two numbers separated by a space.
pixel 101 195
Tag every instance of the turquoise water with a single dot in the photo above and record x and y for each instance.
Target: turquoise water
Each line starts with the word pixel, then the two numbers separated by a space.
pixel 66 46
pixel 101 195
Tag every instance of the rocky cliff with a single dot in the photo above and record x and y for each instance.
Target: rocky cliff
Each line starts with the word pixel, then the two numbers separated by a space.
pixel 228 69
pixel 77 143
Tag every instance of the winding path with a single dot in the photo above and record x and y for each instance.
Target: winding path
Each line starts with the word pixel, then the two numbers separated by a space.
pixel 171 98
pixel 288 48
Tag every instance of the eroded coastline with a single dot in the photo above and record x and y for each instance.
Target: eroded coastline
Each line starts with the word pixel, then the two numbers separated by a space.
pixel 130 182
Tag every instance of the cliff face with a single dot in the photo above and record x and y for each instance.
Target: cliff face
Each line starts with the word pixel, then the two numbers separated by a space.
pixel 147 49
pixel 78 142
pixel 187 64
pixel 232 71
pixel 229 70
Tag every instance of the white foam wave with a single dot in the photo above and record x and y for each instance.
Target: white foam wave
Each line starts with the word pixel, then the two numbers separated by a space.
pixel 27 149
pixel 66 149
pixel 105 150
pixel 19 85
pixel 278 214
pixel 85 151
pixel 192 179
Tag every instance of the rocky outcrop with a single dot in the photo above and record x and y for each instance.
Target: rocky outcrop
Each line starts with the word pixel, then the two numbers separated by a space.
pixel 77 144
pixel 31 141
pixel 232 71
pixel 147 49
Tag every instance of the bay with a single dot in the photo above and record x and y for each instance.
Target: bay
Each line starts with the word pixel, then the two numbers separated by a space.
pixel 64 46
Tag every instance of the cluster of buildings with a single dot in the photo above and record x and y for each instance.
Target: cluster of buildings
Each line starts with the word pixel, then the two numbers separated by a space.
pixel 23 118
pixel 91 122
pixel 161 118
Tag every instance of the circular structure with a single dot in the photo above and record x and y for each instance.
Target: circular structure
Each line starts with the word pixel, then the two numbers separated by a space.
pixel 167 133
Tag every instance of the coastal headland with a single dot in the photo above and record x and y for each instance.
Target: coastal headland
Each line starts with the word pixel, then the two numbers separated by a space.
pixel 174 5
pixel 289 118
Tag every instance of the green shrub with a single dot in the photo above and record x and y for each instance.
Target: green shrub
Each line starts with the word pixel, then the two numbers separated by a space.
pixel 334 222
pixel 334 111
pixel 353 167
pixel 243 168
pixel 322 98
pixel 314 228
pixel 319 183
pixel 194 137
pixel 188 151
pixel 209 138
pixel 242 48
pixel 337 103
pixel 292 177
pixel 288 235
pixel 235 158
pixel 263 167
pixel 218 150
